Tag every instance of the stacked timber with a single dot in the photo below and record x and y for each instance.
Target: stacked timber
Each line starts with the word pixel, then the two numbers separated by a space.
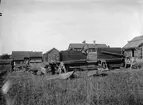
pixel 70 55
pixel 109 53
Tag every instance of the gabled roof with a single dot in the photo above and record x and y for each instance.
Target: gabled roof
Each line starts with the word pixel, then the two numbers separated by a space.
pixel 20 55
pixel 51 50
pixel 134 43
pixel 80 45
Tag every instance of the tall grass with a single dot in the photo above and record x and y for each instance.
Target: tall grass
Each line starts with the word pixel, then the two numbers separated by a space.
pixel 122 88
pixel 4 69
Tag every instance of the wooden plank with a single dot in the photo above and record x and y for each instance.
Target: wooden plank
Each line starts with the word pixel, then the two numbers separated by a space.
pixel 65 75
pixel 113 54
pixel 71 55
pixel 60 76
pixel 101 55
pixel 6 87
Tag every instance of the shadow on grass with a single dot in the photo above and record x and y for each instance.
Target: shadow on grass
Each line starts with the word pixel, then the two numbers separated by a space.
pixel 74 76
pixel 100 75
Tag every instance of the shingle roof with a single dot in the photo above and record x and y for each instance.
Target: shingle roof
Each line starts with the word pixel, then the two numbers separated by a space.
pixel 80 45
pixel 20 55
pixel 135 42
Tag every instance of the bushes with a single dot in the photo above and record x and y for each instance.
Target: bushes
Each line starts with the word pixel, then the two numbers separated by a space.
pixel 122 88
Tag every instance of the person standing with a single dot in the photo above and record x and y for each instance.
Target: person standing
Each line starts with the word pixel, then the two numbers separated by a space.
pixel 52 65
pixel 85 48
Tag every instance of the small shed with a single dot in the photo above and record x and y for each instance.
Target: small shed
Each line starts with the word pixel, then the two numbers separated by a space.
pixel 51 55
pixel 35 57
pixel 134 48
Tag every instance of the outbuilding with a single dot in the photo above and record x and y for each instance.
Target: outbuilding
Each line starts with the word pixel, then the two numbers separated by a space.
pixel 22 57
pixel 51 55
pixel 134 48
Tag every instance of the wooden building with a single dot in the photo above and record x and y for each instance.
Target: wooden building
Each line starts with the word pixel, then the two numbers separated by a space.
pixel 51 55
pixel 134 48
pixel 35 57
pixel 23 57
pixel 90 47
pixel 18 57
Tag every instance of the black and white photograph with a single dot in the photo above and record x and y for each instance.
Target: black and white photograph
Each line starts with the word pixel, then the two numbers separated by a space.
pixel 71 52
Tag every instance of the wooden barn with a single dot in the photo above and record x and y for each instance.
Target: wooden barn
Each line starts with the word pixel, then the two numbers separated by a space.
pixel 23 57
pixel 134 48
pixel 19 57
pixel 90 47
pixel 51 55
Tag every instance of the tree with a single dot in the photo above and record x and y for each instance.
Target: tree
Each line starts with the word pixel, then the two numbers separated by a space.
pixel 5 56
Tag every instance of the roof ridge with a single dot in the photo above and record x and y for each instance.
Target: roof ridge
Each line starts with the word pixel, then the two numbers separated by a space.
pixel 88 43
pixel 135 42
pixel 139 38
pixel 51 50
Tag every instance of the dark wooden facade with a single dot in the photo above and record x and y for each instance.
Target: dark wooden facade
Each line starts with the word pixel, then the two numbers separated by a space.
pixel 134 48
pixel 52 55
pixel 24 57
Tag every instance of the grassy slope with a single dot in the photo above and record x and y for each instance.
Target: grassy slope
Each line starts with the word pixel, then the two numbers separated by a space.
pixel 4 69
pixel 118 88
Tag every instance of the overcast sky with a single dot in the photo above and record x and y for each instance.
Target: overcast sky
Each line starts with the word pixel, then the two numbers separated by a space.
pixel 39 25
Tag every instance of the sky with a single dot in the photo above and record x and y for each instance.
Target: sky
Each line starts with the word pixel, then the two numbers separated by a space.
pixel 40 25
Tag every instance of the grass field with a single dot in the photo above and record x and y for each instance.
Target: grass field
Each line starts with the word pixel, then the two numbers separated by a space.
pixel 121 87
pixel 5 67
